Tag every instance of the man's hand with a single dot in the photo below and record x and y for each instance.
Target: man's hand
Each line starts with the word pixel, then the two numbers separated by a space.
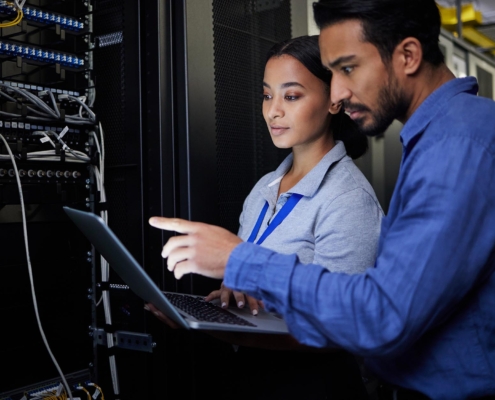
pixel 203 249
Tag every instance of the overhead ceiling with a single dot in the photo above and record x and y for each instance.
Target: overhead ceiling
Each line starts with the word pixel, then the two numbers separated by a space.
pixel 487 9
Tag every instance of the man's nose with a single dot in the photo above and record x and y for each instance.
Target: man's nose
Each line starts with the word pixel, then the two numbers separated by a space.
pixel 339 91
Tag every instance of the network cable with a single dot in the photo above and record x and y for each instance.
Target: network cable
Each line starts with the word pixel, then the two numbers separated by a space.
pixel 38 15
pixel 51 155
pixel 18 7
pixel 80 387
pixel 43 111
pixel 98 390
pixel 35 303
pixel 105 269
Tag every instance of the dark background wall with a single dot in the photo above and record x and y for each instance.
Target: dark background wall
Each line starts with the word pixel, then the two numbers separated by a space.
pixel 181 103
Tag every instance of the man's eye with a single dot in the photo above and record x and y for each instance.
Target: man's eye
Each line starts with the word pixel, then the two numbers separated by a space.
pixel 347 70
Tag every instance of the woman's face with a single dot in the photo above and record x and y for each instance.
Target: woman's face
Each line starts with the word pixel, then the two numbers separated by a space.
pixel 296 103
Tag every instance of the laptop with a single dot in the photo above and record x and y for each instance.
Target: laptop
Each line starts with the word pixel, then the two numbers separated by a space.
pixel 189 311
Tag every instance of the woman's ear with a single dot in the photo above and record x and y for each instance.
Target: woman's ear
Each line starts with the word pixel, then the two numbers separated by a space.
pixel 335 108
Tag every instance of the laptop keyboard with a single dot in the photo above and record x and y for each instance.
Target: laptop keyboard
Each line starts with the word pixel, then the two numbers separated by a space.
pixel 204 310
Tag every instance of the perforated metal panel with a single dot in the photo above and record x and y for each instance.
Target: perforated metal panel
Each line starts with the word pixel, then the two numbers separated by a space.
pixel 244 31
pixel 110 76
pixel 111 79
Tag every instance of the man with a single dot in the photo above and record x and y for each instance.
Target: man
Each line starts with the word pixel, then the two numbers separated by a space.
pixel 424 317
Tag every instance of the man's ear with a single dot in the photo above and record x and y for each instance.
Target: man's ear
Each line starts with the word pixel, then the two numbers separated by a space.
pixel 408 56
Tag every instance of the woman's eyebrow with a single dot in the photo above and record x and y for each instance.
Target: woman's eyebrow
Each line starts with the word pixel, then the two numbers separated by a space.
pixel 284 85
pixel 289 84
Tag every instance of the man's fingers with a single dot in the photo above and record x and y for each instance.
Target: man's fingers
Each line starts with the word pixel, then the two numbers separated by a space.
pixel 203 249
pixel 179 255
pixel 174 224
pixel 176 244
pixel 184 267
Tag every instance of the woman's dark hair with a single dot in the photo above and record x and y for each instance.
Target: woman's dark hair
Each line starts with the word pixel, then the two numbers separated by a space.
pixel 386 23
pixel 305 49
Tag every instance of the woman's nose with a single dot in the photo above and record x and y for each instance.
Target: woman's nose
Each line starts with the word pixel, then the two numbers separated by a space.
pixel 275 109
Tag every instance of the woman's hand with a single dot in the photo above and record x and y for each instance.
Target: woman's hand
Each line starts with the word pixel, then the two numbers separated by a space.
pixel 225 294
pixel 161 316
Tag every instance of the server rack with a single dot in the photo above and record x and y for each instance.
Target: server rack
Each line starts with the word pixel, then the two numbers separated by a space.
pixel 178 95
pixel 47 159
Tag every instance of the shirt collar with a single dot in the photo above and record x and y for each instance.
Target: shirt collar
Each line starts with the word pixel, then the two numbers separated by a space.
pixel 308 185
pixel 433 103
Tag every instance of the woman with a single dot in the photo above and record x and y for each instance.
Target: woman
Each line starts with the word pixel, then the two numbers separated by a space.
pixel 318 205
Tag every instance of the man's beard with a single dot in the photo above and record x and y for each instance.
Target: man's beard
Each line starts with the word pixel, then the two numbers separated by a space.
pixel 392 104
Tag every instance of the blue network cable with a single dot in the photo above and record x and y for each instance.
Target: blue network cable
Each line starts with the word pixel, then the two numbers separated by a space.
pixel 37 15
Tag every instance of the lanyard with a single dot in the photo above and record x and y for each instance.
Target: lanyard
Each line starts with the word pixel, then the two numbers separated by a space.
pixel 282 214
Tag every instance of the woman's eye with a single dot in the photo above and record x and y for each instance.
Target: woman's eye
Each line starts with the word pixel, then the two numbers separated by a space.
pixel 266 96
pixel 291 98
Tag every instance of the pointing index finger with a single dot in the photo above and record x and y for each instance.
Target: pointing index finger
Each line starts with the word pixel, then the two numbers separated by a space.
pixel 173 224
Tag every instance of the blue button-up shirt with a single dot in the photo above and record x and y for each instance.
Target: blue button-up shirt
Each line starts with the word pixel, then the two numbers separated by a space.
pixel 424 316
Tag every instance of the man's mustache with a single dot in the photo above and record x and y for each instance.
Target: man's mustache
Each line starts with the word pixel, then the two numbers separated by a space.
pixel 349 107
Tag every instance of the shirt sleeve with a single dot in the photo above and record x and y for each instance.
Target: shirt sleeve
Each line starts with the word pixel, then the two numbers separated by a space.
pixel 346 233
pixel 436 251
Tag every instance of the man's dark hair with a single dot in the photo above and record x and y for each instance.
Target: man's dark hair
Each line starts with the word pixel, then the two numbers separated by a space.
pixel 305 49
pixel 387 22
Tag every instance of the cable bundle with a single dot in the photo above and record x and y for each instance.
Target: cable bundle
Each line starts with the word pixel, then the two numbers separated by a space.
pixel 43 111
pixel 17 5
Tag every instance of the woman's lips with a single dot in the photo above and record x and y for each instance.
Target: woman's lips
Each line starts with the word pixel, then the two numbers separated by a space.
pixel 278 130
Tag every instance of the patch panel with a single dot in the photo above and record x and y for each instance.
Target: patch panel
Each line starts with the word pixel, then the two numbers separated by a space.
pixel 37 88
pixel 55 390
pixel 41 173
pixel 31 112
pixel 12 90
pixel 24 136
pixel 44 391
pixel 44 17
pixel 38 54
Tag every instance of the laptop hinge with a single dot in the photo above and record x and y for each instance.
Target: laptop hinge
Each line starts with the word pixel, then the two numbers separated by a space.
pixel 126 340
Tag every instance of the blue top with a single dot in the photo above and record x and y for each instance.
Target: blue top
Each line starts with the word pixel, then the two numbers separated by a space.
pixel 424 317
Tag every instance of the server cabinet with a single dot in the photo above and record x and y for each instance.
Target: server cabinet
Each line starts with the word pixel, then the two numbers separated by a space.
pixel 47 160
pixel 210 73
pixel 176 90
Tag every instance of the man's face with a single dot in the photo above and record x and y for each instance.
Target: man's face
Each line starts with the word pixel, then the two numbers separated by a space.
pixel 367 88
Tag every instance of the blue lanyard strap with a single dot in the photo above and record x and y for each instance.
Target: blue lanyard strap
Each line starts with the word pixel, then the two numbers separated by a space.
pixel 282 214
